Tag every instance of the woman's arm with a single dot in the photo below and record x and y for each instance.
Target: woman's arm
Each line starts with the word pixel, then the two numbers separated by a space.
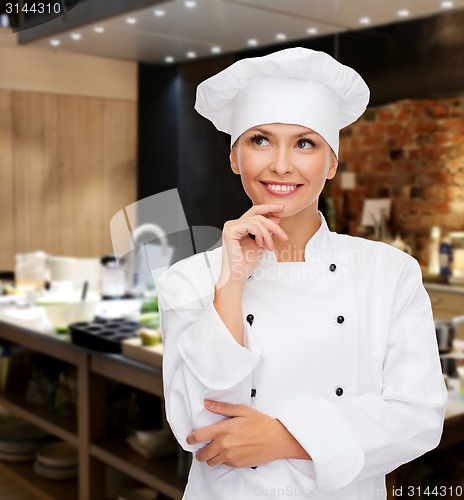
pixel 247 438
pixel 228 304
pixel 202 359
pixel 209 352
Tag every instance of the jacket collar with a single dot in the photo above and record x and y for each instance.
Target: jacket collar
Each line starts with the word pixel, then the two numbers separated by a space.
pixel 318 246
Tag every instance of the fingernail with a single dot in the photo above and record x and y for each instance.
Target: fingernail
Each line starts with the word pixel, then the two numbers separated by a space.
pixel 209 403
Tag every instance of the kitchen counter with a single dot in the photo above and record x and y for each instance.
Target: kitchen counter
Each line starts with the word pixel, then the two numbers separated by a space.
pixel 444 287
pixel 86 430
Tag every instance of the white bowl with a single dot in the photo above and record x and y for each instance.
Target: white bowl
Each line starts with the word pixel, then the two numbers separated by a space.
pixel 57 454
pixel 62 314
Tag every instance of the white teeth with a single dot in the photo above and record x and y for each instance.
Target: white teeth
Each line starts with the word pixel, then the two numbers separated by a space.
pixel 280 187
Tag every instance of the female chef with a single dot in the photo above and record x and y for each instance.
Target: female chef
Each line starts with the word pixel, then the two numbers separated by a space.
pixel 297 361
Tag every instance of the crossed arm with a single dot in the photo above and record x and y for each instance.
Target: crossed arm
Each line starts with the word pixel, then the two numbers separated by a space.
pixel 247 438
pixel 366 435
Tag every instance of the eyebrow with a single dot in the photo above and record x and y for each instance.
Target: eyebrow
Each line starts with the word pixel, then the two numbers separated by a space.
pixel 296 136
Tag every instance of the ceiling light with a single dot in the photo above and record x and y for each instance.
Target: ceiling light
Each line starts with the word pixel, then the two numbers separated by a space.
pixel 365 20
pixel 131 20
pixel 447 4
pixel 403 13
pixel 216 50
pixel 159 12
pixel 169 59
pixel 252 42
pixel 99 29
pixel 281 36
pixel 311 31
pixel 191 55
pixel 76 36
pixel 55 42
pixel 190 4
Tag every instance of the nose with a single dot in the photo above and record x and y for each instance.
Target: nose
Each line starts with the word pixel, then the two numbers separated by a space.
pixel 281 163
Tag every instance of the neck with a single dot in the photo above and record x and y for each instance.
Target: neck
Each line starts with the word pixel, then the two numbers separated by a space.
pixel 299 228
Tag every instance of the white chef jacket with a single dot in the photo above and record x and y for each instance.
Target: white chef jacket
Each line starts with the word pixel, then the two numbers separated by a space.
pixel 341 348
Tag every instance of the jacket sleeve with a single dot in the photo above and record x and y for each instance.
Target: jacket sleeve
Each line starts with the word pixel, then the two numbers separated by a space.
pixel 201 359
pixel 372 434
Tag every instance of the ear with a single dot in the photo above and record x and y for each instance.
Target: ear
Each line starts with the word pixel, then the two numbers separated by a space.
pixel 333 166
pixel 233 161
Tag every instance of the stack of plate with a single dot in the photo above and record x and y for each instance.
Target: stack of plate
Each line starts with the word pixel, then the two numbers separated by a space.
pixel 17 452
pixel 56 461
pixel 19 440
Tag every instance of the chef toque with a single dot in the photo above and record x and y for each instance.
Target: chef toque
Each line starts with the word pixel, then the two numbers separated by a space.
pixel 296 86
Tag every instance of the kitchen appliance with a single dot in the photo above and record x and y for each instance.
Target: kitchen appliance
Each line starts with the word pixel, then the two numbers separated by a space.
pixel 113 278
pixel 446 333
pixel 148 259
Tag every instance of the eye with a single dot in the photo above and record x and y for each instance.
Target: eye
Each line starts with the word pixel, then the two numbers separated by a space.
pixel 259 140
pixel 305 144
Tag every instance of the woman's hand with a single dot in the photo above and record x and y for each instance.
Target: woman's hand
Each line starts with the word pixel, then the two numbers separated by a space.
pixel 247 439
pixel 240 252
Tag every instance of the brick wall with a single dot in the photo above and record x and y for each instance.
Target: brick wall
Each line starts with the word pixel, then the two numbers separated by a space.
pixel 413 152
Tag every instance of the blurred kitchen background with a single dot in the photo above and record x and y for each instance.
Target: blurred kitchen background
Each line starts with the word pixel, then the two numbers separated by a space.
pixel 96 114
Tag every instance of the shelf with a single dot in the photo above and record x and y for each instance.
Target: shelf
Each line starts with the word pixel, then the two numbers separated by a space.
pixel 46 489
pixel 128 372
pixel 159 474
pixel 62 427
pixel 51 345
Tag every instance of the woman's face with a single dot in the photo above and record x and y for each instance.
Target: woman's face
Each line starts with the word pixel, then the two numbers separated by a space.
pixel 281 163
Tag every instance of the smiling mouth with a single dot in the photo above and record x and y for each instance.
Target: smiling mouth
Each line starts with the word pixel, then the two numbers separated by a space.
pixel 281 188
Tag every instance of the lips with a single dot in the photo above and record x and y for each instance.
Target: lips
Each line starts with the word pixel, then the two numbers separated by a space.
pixel 280 188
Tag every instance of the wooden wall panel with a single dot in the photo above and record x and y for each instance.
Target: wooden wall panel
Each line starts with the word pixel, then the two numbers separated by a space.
pixel 71 165
pixel 119 170
pixel 38 69
pixel 6 179
pixel 28 163
pixel 52 200
pixel 70 160
pixel 94 168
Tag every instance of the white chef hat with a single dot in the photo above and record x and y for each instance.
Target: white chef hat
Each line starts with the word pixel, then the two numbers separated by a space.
pixel 296 86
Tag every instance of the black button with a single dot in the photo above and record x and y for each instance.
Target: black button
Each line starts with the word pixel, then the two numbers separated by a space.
pixel 250 319
pixel 339 391
pixel 253 392
pixel 340 320
pixel 249 277
pixel 255 467
pixel 332 267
